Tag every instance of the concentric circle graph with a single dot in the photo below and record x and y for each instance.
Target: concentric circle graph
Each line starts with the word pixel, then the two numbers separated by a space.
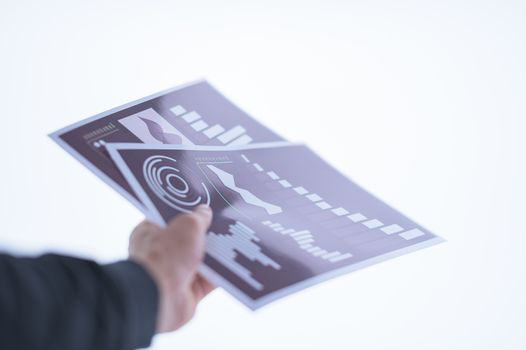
pixel 170 183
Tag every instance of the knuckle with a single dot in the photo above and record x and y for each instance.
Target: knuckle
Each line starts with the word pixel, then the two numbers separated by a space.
pixel 144 227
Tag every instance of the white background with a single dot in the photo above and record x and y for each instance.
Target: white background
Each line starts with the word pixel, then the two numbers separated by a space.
pixel 421 102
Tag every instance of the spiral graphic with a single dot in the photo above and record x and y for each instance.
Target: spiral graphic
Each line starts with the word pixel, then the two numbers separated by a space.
pixel 167 180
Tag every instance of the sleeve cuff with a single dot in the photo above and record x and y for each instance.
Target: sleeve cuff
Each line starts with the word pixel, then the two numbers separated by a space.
pixel 142 298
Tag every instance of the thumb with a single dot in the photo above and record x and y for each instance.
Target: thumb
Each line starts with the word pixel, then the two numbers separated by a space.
pixel 188 232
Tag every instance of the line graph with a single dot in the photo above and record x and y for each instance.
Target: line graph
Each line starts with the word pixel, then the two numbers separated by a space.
pixel 229 181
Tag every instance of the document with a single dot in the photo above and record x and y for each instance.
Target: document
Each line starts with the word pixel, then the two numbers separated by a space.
pixel 284 219
pixel 191 114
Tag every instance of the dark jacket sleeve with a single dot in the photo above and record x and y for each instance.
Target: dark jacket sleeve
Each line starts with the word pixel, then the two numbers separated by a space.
pixel 59 302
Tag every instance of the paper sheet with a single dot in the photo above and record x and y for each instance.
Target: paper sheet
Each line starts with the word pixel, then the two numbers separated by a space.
pixel 283 218
pixel 194 113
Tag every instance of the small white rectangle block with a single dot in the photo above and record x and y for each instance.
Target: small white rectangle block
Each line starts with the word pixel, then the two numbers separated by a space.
pixel 357 217
pixel 199 125
pixel 273 175
pixel 330 255
pixel 392 229
pixel 245 158
pixel 301 233
pixel 319 252
pixel 314 197
pixel 305 241
pixel 178 110
pixel 240 141
pixel 231 134
pixel 374 223
pixel 414 233
pixel 287 231
pixel 258 167
pixel 191 117
pixel 285 183
pixel 340 211
pixel 323 205
pixel 213 131
pixel 341 257
pixel 304 236
pixel 300 190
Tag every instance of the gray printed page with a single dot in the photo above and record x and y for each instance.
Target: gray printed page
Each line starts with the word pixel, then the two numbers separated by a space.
pixel 283 218
pixel 193 114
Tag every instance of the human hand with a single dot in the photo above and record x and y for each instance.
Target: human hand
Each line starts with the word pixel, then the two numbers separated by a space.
pixel 172 255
